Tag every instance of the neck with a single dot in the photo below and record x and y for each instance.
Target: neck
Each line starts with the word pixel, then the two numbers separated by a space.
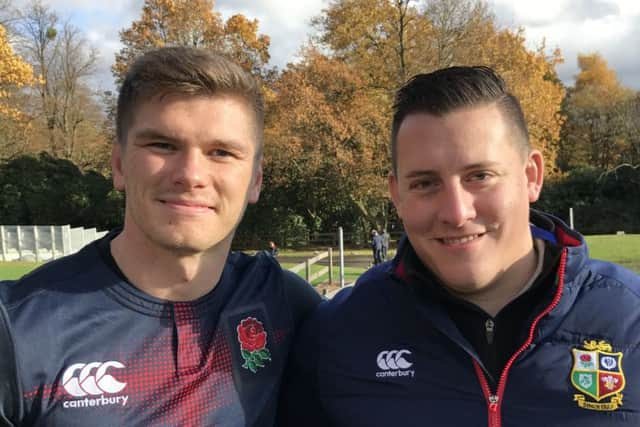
pixel 167 274
pixel 509 284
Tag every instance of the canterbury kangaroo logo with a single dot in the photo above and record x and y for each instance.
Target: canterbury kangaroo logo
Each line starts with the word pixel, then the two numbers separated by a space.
pixel 393 359
pixel 82 379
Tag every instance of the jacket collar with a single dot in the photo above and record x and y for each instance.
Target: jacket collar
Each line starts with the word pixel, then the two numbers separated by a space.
pixel 543 226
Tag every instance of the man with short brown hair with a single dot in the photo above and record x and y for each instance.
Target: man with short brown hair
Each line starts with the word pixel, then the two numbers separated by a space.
pixel 158 323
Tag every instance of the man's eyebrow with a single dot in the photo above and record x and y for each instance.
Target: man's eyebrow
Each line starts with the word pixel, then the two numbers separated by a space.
pixel 153 134
pixel 432 173
pixel 421 173
pixel 481 165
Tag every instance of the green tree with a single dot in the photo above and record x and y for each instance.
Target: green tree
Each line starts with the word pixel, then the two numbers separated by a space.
pixel 29 185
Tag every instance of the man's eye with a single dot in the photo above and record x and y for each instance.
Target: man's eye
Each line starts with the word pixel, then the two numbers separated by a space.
pixel 421 185
pixel 480 176
pixel 162 146
pixel 219 152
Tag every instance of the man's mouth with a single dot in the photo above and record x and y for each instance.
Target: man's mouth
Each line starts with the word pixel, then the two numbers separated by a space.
pixel 461 240
pixel 188 204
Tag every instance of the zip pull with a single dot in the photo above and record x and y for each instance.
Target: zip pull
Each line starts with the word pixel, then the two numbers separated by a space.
pixel 493 402
pixel 489 327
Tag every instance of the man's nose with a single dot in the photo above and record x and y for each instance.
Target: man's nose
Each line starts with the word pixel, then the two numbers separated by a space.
pixel 190 169
pixel 457 205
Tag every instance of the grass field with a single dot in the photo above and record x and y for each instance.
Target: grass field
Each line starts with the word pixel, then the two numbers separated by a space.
pixel 15 270
pixel 624 250
pixel 350 273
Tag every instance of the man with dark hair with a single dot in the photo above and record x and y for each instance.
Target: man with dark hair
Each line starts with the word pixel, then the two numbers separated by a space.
pixel 491 313
pixel 158 323
pixel 376 247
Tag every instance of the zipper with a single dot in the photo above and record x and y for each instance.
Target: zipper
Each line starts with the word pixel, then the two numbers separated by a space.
pixel 494 400
pixel 489 327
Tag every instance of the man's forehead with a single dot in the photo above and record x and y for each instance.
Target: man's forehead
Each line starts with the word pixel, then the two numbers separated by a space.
pixel 428 147
pixel 157 111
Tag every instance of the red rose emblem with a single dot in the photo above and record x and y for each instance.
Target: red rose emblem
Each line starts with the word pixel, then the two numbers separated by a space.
pixel 251 334
pixel 585 358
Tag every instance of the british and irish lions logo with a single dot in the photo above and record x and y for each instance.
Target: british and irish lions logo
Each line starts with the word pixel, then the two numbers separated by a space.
pixel 253 344
pixel 597 373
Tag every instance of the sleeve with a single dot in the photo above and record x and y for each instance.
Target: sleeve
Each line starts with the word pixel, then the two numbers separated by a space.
pixel 303 299
pixel 299 402
pixel 10 402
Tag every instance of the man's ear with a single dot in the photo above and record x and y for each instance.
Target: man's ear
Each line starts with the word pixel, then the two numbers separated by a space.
pixel 116 166
pixel 256 184
pixel 534 171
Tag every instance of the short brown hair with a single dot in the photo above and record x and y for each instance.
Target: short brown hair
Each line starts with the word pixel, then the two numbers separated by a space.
pixel 185 71
pixel 448 89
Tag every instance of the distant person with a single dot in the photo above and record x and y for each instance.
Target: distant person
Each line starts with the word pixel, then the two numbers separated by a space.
pixel 491 313
pixel 385 244
pixel 273 249
pixel 376 247
pixel 158 323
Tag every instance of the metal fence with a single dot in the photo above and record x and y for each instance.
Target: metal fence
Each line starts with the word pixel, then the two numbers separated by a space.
pixel 43 242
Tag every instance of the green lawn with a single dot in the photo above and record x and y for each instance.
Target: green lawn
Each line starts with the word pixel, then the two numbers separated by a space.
pixel 350 273
pixel 624 250
pixel 15 270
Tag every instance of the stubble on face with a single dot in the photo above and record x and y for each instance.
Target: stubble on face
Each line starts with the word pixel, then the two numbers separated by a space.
pixel 462 191
pixel 186 151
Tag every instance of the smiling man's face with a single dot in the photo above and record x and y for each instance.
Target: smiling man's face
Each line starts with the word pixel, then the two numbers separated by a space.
pixel 462 190
pixel 188 169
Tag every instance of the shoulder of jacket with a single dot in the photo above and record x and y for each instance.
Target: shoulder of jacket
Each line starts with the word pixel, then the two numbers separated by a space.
pixel 613 275
pixel 50 275
pixel 367 291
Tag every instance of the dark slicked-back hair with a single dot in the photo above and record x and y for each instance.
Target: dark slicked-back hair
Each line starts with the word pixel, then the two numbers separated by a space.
pixel 449 89
pixel 185 71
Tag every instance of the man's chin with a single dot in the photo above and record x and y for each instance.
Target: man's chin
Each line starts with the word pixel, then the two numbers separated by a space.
pixel 186 245
pixel 463 282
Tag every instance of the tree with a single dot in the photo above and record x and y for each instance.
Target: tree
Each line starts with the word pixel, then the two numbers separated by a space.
pixel 192 23
pixel 531 77
pixel 15 74
pixel 338 104
pixel 29 183
pixel 601 124
pixel 67 115
pixel 326 144
pixel 385 40
pixel 457 25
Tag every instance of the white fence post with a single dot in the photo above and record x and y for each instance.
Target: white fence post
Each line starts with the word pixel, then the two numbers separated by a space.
pixel 3 245
pixel 341 246
pixel 36 244
pixel 19 235
pixel 571 218
pixel 66 240
pixel 52 231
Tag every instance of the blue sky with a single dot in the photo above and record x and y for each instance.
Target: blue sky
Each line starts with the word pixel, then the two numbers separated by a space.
pixel 576 26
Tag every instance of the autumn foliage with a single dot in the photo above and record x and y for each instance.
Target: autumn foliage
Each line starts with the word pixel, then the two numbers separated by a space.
pixel 332 111
pixel 192 23
pixel 328 113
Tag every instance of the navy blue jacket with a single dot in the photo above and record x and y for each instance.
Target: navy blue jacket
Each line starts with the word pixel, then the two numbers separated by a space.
pixel 80 346
pixel 377 356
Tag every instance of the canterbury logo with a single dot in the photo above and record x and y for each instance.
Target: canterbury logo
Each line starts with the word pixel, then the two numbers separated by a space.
pixel 82 379
pixel 393 359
